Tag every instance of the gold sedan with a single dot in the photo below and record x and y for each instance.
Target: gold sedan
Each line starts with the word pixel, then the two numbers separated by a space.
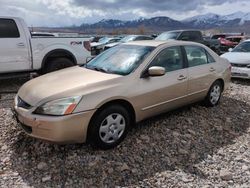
pixel 100 101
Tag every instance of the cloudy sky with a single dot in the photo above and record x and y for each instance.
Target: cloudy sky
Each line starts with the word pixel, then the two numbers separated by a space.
pixel 75 12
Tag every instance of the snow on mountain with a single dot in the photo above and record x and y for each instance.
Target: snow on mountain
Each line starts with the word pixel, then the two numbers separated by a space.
pixel 200 18
pixel 236 15
pixel 162 23
pixel 216 19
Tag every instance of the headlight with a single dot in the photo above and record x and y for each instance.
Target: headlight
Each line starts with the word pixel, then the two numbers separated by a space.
pixel 63 106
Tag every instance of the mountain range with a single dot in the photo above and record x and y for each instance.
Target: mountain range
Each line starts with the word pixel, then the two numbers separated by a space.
pixel 237 22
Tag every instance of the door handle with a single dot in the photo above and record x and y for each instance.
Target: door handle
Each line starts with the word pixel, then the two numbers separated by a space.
pixel 20 44
pixel 181 77
pixel 212 69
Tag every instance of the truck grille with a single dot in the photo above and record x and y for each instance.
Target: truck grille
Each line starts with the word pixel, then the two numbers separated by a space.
pixel 22 104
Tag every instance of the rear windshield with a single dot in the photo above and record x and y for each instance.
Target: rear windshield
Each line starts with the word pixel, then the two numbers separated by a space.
pixel 168 35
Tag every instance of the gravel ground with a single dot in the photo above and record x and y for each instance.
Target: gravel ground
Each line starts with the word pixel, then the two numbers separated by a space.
pixel 190 147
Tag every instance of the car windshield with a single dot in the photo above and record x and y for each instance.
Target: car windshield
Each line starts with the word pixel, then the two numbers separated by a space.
pixel 168 35
pixel 128 38
pixel 242 47
pixel 104 40
pixel 120 60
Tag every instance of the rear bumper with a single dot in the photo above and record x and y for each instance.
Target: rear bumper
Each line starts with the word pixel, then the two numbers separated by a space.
pixel 240 72
pixel 59 129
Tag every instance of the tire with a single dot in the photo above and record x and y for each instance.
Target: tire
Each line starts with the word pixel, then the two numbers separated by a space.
pixel 214 94
pixel 109 127
pixel 57 64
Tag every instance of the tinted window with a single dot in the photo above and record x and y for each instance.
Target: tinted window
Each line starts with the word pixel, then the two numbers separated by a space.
pixel 218 36
pixel 191 36
pixel 196 56
pixel 8 29
pixel 143 38
pixel 169 58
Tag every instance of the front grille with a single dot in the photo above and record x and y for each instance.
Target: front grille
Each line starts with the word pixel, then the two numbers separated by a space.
pixel 240 65
pixel 22 104
pixel 240 74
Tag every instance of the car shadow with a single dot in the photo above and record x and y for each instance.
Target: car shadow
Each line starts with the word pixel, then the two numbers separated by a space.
pixel 180 139
pixel 245 82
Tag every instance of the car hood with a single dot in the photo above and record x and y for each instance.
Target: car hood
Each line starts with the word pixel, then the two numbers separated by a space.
pixel 74 81
pixel 237 57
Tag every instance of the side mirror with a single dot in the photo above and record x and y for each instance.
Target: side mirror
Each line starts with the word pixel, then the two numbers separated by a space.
pixel 230 49
pixel 156 71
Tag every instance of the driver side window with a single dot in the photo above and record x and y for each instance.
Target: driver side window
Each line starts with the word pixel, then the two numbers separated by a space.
pixel 169 58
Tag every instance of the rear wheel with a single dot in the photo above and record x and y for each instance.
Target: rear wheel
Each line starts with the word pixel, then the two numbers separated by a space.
pixel 57 64
pixel 214 94
pixel 109 127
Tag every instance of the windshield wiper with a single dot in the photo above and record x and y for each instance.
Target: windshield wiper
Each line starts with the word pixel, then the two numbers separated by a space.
pixel 97 69
pixel 100 69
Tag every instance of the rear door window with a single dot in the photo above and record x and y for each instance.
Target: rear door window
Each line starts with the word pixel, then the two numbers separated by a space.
pixel 196 56
pixel 8 29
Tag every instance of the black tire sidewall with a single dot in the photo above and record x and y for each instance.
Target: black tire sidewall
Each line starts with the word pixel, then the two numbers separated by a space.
pixel 53 65
pixel 93 133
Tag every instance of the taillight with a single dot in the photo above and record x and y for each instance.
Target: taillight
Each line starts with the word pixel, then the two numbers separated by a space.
pixel 87 45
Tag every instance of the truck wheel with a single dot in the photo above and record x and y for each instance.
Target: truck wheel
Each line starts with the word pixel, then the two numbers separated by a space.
pixel 57 64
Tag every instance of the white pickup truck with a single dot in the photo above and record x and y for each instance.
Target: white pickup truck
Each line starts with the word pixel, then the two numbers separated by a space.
pixel 20 52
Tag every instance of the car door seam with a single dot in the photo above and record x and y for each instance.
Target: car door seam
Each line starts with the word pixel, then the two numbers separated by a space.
pixel 165 102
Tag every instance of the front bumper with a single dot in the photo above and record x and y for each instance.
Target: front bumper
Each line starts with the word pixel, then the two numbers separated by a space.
pixel 240 72
pixel 60 129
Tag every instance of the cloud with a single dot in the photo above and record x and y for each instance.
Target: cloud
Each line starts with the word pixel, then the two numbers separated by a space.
pixel 150 5
pixel 75 12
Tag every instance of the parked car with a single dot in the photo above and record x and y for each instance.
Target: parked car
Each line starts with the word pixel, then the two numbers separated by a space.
pixel 236 39
pixel 20 52
pixel 225 35
pixel 95 38
pixel 190 35
pixel 100 101
pixel 128 38
pixel 239 57
pixel 227 40
pixel 98 47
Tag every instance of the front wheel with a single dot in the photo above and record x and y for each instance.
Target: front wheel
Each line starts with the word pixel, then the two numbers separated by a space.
pixel 57 64
pixel 214 94
pixel 109 127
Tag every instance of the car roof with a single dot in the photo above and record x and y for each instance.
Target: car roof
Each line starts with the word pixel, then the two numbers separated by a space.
pixel 182 30
pixel 156 43
pixel 236 36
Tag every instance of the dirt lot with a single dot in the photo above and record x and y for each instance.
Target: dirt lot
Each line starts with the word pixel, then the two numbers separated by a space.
pixel 193 146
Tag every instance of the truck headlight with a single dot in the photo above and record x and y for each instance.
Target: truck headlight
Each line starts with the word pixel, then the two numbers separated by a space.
pixel 59 107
